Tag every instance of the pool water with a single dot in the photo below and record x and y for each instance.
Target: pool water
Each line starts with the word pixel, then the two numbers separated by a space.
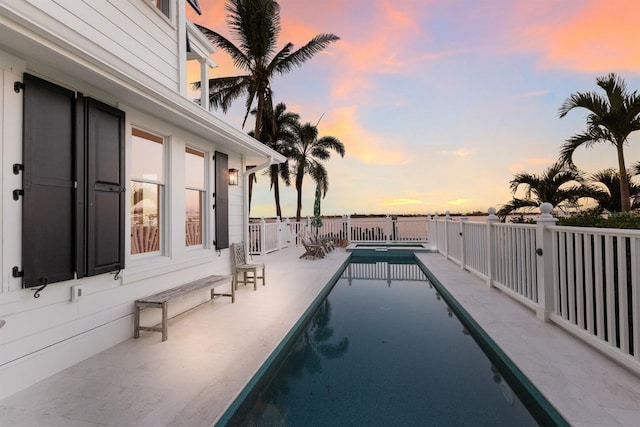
pixel 381 352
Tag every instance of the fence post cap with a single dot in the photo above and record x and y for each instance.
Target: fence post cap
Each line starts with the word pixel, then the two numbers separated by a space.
pixel 545 210
pixel 492 213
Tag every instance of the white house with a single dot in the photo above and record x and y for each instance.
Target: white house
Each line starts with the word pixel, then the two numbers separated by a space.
pixel 114 183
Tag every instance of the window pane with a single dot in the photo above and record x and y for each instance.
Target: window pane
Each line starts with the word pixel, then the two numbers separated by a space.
pixel 193 217
pixel 194 169
pixel 146 155
pixel 145 217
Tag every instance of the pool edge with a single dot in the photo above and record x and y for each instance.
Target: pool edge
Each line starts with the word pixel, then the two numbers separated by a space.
pixel 538 405
pixel 254 384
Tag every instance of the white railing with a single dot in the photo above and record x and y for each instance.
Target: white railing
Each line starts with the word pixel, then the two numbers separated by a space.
pixel 266 237
pixel 596 281
pixel 388 229
pixel 586 280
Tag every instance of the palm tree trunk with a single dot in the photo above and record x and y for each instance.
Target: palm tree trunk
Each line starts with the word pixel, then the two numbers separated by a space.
pixel 625 201
pixel 299 176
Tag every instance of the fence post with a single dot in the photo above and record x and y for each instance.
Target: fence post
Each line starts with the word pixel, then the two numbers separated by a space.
pixel 387 231
pixel 463 258
pixel 279 228
pixel 263 236
pixel 436 238
pixel 348 237
pixel 544 251
pixel 287 227
pixel 492 219
pixel 447 218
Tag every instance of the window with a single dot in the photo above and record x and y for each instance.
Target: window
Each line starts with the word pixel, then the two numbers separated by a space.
pixel 163 6
pixel 73 199
pixel 147 191
pixel 194 178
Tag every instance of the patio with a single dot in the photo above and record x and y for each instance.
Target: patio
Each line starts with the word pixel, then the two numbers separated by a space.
pixel 215 349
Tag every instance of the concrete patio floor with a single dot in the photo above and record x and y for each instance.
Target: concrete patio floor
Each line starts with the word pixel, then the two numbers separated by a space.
pixel 215 349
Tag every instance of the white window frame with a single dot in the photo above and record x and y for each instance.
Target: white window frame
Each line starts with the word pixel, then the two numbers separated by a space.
pixel 203 196
pixel 163 210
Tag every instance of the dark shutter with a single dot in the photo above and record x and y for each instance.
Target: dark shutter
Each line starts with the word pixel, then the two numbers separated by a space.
pixel 222 200
pixel 48 225
pixel 105 187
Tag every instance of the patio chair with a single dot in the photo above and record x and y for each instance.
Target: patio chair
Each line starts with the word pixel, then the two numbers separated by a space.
pixel 315 240
pixel 311 250
pixel 240 265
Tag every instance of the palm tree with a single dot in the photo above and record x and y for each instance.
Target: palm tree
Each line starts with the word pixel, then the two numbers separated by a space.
pixel 276 134
pixel 605 189
pixel 545 188
pixel 611 119
pixel 307 154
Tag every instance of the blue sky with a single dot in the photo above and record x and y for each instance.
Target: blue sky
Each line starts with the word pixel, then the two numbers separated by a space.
pixel 440 102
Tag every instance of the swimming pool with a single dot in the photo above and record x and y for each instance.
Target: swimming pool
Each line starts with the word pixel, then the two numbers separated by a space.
pixel 383 348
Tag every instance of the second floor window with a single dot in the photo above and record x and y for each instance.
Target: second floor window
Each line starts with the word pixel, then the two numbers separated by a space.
pixel 162 5
pixel 147 192
pixel 194 196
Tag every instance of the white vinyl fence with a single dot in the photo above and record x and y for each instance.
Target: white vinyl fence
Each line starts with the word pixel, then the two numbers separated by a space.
pixel 267 236
pixel 586 280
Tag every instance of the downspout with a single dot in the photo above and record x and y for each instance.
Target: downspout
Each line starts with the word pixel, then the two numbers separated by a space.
pixel 247 174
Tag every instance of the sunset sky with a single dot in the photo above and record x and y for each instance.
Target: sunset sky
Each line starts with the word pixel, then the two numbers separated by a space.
pixel 440 102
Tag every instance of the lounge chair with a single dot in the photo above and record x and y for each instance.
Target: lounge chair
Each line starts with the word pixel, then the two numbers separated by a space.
pixel 311 250
pixel 327 242
pixel 240 265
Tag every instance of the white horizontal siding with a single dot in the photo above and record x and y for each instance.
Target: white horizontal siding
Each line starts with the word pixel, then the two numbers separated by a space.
pixel 39 332
pixel 120 33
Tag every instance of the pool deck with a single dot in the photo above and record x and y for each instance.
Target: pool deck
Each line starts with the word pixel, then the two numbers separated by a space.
pixel 215 349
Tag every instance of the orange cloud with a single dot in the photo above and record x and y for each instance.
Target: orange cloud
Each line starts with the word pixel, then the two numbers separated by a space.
pixel 460 152
pixel 367 147
pixel 402 202
pixel 597 37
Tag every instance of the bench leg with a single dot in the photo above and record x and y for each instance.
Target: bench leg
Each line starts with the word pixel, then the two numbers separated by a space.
pixel 136 320
pixel 164 321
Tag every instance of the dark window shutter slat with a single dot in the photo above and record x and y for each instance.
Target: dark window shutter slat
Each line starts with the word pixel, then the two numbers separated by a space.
pixel 222 200
pixel 48 226
pixel 81 193
pixel 105 187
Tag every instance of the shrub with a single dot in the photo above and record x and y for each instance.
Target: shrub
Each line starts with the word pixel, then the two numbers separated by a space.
pixel 593 218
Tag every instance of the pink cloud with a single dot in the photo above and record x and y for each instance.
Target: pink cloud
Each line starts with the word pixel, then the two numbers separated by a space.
pixel 588 36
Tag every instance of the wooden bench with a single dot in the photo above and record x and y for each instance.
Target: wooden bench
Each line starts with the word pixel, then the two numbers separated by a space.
pixel 161 300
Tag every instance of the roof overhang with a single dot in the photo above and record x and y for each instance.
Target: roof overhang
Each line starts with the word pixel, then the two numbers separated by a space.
pixel 61 61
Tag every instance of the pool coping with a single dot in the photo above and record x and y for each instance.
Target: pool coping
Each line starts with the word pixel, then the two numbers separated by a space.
pixel 536 403
pixel 255 385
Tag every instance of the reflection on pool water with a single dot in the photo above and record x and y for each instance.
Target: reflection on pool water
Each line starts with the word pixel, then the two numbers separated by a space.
pixel 386 351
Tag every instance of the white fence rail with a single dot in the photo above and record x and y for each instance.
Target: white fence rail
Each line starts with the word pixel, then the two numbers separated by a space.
pixel 267 236
pixel 586 280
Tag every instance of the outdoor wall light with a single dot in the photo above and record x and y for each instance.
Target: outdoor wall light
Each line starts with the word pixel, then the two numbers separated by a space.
pixel 233 176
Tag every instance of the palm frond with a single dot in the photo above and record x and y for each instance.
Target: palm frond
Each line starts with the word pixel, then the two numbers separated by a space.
pixel 306 52
pixel 240 60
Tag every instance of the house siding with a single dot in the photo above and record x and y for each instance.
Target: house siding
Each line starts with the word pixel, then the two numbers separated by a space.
pixel 127 41
pixel 131 36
